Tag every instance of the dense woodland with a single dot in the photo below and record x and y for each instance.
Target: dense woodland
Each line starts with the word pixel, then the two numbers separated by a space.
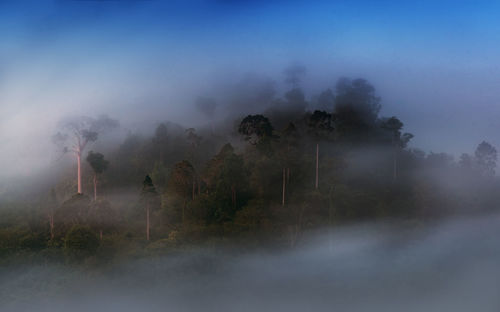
pixel 267 178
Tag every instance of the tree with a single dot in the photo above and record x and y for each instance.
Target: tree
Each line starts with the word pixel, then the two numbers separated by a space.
pixel 51 208
pixel 180 183
pixel 226 180
pixel 486 159
pixel 99 165
pixel 160 140
pixel 320 126
pixel 356 106
pixel 101 216
pixel 288 152
pixel 398 140
pixel 150 200
pixel 194 142
pixel 77 132
pixel 73 211
pixel 256 129
pixel 80 242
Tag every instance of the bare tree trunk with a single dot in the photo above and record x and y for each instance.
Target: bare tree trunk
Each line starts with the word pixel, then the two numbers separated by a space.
pixel 147 222
pixel 100 234
pixel 78 156
pixel 95 187
pixel 317 163
pixel 284 187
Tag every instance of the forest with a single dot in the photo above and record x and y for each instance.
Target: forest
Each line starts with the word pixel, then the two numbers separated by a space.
pixel 298 166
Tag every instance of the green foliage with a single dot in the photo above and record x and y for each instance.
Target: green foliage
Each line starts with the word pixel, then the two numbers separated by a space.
pixel 211 186
pixel 80 242
pixel 256 129
pixel 97 162
pixel 72 212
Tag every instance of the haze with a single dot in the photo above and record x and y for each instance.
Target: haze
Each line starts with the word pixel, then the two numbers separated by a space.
pixel 435 65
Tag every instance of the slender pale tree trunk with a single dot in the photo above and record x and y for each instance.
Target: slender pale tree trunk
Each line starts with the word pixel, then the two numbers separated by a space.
pixel 79 159
pixel 284 187
pixel 317 164
pixel 147 222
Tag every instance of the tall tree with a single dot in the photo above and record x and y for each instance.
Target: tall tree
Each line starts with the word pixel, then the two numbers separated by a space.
pixel 101 215
pixel 98 165
pixel 180 183
pixel 150 201
pixel 287 153
pixel 486 159
pixel 257 129
pixel 356 107
pixel 51 208
pixel 77 133
pixel 226 180
pixel 160 140
pixel 320 127
pixel 398 140
pixel 194 142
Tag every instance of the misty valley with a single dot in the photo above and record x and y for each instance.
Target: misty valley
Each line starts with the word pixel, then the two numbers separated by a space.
pixel 310 204
pixel 236 155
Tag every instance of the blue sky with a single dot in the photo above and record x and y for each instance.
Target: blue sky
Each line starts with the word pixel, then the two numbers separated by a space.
pixel 434 63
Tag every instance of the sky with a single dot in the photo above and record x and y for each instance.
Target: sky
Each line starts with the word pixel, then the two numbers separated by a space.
pixel 434 63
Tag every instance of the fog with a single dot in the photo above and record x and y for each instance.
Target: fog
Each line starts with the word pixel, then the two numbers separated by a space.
pixel 450 266
pixel 213 155
pixel 142 62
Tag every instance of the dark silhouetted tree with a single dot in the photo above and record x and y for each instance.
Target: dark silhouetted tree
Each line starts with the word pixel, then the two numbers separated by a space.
pixel 98 165
pixel 160 141
pixel 356 107
pixel 486 159
pixel 398 140
pixel 256 129
pixel 181 184
pixel 320 125
pixel 150 201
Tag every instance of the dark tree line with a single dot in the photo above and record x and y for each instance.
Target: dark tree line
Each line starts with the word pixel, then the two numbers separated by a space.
pixel 273 176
